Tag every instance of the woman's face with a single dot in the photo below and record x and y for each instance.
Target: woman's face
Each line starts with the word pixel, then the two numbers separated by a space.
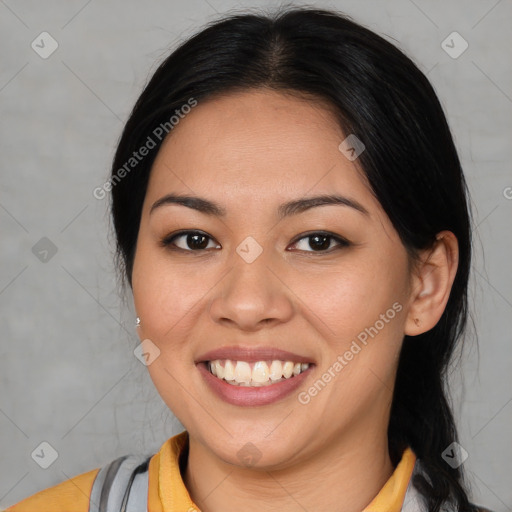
pixel 269 269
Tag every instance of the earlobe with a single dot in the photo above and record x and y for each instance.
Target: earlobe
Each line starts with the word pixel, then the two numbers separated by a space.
pixel 432 282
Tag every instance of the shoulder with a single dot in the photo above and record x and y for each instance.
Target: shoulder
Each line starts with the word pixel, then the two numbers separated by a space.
pixel 117 477
pixel 72 495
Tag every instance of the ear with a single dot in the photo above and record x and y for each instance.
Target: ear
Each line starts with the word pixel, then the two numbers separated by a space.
pixel 432 281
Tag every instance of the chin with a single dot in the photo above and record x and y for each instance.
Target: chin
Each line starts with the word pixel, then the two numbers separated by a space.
pixel 255 451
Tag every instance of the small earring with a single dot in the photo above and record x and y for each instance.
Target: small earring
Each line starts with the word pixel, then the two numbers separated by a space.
pixel 137 322
pixel 417 322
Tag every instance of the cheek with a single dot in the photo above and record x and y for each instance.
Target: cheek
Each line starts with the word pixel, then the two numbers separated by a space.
pixel 360 315
pixel 166 296
pixel 344 302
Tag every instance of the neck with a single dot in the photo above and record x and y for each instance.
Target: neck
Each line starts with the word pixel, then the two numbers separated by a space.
pixel 346 477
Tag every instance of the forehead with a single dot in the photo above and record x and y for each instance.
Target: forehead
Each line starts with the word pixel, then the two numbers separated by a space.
pixel 260 143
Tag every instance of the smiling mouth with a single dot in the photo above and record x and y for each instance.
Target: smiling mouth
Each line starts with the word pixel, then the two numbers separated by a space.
pixel 255 374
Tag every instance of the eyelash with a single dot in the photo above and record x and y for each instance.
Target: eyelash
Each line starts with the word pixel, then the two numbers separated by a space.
pixel 168 241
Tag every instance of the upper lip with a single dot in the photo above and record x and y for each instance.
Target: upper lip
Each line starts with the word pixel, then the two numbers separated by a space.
pixel 252 354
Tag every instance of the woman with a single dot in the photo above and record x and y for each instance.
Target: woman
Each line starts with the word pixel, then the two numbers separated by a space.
pixel 292 219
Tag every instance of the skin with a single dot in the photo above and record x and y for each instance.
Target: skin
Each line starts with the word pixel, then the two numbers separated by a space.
pixel 249 152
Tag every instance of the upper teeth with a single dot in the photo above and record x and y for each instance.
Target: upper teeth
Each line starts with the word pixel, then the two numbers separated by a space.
pixel 260 374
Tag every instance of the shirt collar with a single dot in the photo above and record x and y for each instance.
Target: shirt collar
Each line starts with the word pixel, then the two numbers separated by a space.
pixel 391 497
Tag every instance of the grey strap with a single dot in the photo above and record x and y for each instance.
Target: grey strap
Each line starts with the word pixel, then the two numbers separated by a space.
pixel 414 500
pixel 97 493
pixel 136 494
pixel 121 486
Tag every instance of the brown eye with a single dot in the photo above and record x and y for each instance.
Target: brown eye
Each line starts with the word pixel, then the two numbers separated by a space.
pixel 191 241
pixel 320 242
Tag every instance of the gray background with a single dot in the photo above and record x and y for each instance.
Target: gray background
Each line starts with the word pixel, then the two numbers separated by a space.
pixel 68 374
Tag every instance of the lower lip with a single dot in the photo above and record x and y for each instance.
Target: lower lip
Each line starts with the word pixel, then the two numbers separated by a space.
pixel 248 396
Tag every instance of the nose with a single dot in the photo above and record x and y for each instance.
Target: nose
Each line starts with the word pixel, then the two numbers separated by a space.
pixel 251 296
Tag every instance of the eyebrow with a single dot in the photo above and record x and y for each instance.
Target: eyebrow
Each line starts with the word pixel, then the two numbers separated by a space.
pixel 284 210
